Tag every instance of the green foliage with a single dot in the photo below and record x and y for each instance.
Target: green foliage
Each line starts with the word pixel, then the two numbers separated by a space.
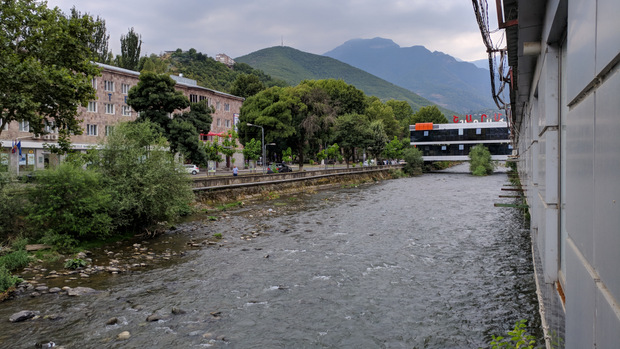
pixel 229 144
pixel 287 155
pixel 429 114
pixel 146 184
pixel 75 263
pixel 414 162
pixel 12 206
pixel 99 43
pixel 252 149
pixel 15 260
pixel 246 85
pixel 130 50
pixel 45 65
pixel 217 235
pixel 394 149
pixel 378 138
pixel 379 111
pixel 6 279
pixel 70 200
pixel 352 131
pixel 480 163
pixel 155 98
pixel 519 338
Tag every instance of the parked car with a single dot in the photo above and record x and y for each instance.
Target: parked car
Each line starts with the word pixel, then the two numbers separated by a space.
pixel 283 168
pixel 193 169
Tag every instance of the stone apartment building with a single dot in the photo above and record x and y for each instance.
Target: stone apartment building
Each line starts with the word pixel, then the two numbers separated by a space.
pixel 110 108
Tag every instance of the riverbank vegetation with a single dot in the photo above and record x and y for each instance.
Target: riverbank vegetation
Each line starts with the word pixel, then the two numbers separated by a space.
pixel 131 184
pixel 480 163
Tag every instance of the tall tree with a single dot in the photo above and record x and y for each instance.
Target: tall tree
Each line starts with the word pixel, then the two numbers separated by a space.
pixel 403 113
pixel 378 110
pixel 130 50
pixel 155 98
pixel 271 109
pixel 99 43
pixel 378 138
pixel 352 132
pixel 429 114
pixel 246 85
pixel 45 66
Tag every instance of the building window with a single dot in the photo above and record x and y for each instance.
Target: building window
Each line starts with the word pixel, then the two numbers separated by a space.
pixel 202 98
pixel 51 128
pixel 91 130
pixel 24 126
pixel 217 105
pixel 108 130
pixel 460 131
pixel 219 122
pixel 94 83
pixel 193 98
pixel 228 123
pixel 425 133
pixel 109 108
pixel 124 88
pixel 92 107
pixel 478 131
pixel 226 107
pixel 109 85
pixel 126 110
pixel 461 147
pixel 443 147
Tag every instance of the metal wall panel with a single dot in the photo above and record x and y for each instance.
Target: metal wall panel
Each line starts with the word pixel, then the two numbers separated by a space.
pixel 580 303
pixel 607 324
pixel 581 45
pixel 579 173
pixel 607 186
pixel 607 32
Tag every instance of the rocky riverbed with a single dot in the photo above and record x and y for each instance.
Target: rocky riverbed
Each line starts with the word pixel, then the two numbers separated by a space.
pixel 415 262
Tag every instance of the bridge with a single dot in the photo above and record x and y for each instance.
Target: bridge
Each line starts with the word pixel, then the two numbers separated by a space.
pixel 452 142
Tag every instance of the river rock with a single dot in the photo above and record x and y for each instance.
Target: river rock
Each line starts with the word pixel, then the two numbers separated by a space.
pixel 54 290
pixel 156 317
pixel 123 335
pixel 177 311
pixel 112 321
pixel 80 291
pixel 23 315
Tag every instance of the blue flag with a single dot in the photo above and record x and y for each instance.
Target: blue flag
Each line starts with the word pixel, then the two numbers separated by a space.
pixel 19 147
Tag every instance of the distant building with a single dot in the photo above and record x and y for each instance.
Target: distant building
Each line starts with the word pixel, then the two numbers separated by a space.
pixel 110 108
pixel 222 58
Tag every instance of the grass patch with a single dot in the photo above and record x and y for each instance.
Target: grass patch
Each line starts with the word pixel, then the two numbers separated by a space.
pixel 7 280
pixel 15 260
pixel 230 205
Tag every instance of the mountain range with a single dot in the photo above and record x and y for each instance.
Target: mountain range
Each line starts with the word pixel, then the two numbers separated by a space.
pixel 436 76
pixel 382 68
pixel 294 66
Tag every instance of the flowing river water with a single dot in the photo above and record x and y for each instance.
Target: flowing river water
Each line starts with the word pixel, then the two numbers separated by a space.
pixel 424 262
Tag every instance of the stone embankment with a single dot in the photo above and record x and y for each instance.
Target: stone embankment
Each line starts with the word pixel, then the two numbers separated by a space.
pixel 218 189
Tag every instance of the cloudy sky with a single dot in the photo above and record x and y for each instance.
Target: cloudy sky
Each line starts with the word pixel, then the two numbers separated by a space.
pixel 239 27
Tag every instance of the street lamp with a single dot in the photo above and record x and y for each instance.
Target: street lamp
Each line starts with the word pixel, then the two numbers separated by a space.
pixel 262 133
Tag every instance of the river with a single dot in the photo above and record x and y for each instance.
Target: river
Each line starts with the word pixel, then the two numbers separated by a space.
pixel 424 262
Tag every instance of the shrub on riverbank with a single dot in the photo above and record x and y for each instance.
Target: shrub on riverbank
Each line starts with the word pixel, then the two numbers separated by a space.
pixel 414 163
pixel 480 163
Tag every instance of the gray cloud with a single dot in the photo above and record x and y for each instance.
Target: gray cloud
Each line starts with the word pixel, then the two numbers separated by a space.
pixel 239 27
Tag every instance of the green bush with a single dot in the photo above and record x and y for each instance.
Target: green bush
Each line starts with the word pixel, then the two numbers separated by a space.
pixel 414 163
pixel 6 279
pixel 69 200
pixel 147 185
pixel 519 338
pixel 15 260
pixel 12 206
pixel 75 263
pixel 480 163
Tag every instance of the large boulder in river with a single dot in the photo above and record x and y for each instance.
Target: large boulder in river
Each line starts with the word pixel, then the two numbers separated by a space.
pixel 23 315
